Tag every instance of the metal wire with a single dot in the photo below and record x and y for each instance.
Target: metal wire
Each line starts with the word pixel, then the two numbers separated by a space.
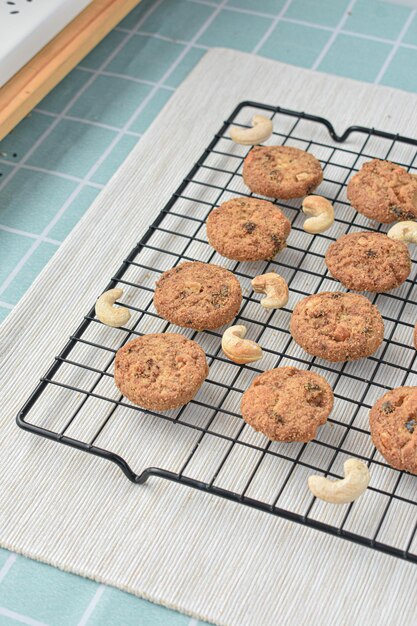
pixel 220 454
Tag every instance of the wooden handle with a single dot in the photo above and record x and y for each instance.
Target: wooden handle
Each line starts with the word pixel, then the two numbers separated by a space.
pixel 26 88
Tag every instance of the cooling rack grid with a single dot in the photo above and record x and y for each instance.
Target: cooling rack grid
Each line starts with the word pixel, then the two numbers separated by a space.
pixel 205 444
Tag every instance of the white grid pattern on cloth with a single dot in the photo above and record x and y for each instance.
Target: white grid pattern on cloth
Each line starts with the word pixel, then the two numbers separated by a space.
pixel 395 47
pixel 25 233
pixel 338 29
pixel 92 605
pixel 7 565
pixel 86 182
pixel 272 27
pixel 36 168
pixel 73 118
pixel 19 618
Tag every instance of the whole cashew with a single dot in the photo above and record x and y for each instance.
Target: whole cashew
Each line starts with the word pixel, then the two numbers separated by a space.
pixel 107 313
pixel 261 131
pixel 321 211
pixel 275 288
pixel 238 349
pixel 342 491
pixel 404 231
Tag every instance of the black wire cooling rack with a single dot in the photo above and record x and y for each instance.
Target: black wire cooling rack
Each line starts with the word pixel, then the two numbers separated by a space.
pixel 206 444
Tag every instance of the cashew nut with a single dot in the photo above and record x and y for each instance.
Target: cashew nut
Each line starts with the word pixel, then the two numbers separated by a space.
pixel 107 313
pixel 275 288
pixel 342 491
pixel 322 214
pixel 404 231
pixel 238 349
pixel 261 131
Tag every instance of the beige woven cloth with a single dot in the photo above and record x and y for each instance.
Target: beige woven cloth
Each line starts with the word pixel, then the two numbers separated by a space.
pixel 202 555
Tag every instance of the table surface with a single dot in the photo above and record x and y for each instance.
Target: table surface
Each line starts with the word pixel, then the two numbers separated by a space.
pixel 57 160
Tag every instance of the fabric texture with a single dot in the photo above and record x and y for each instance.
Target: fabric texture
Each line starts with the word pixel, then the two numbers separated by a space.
pixel 209 558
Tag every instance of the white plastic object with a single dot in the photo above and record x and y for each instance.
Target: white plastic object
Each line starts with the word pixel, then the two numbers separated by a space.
pixel 26 26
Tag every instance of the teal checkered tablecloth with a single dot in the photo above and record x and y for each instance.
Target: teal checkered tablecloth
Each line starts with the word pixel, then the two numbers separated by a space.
pixel 57 160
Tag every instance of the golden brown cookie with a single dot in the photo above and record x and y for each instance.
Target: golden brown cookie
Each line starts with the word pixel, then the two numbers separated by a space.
pixel 198 295
pixel 393 421
pixel 160 371
pixel 369 262
pixel 287 404
pixel 383 191
pixel 337 326
pixel 247 229
pixel 281 172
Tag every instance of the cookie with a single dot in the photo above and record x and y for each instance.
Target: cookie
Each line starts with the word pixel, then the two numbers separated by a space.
pixel 368 262
pixel 287 404
pixel 383 191
pixel 160 371
pixel 247 229
pixel 198 295
pixel 393 421
pixel 337 326
pixel 281 172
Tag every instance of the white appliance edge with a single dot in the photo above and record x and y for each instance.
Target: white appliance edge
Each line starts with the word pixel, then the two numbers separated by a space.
pixel 26 26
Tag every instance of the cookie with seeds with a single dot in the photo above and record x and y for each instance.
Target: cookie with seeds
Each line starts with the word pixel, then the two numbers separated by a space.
pixel 281 172
pixel 287 404
pixel 337 326
pixel 393 421
pixel 368 261
pixel 198 295
pixel 383 191
pixel 247 229
pixel 160 371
